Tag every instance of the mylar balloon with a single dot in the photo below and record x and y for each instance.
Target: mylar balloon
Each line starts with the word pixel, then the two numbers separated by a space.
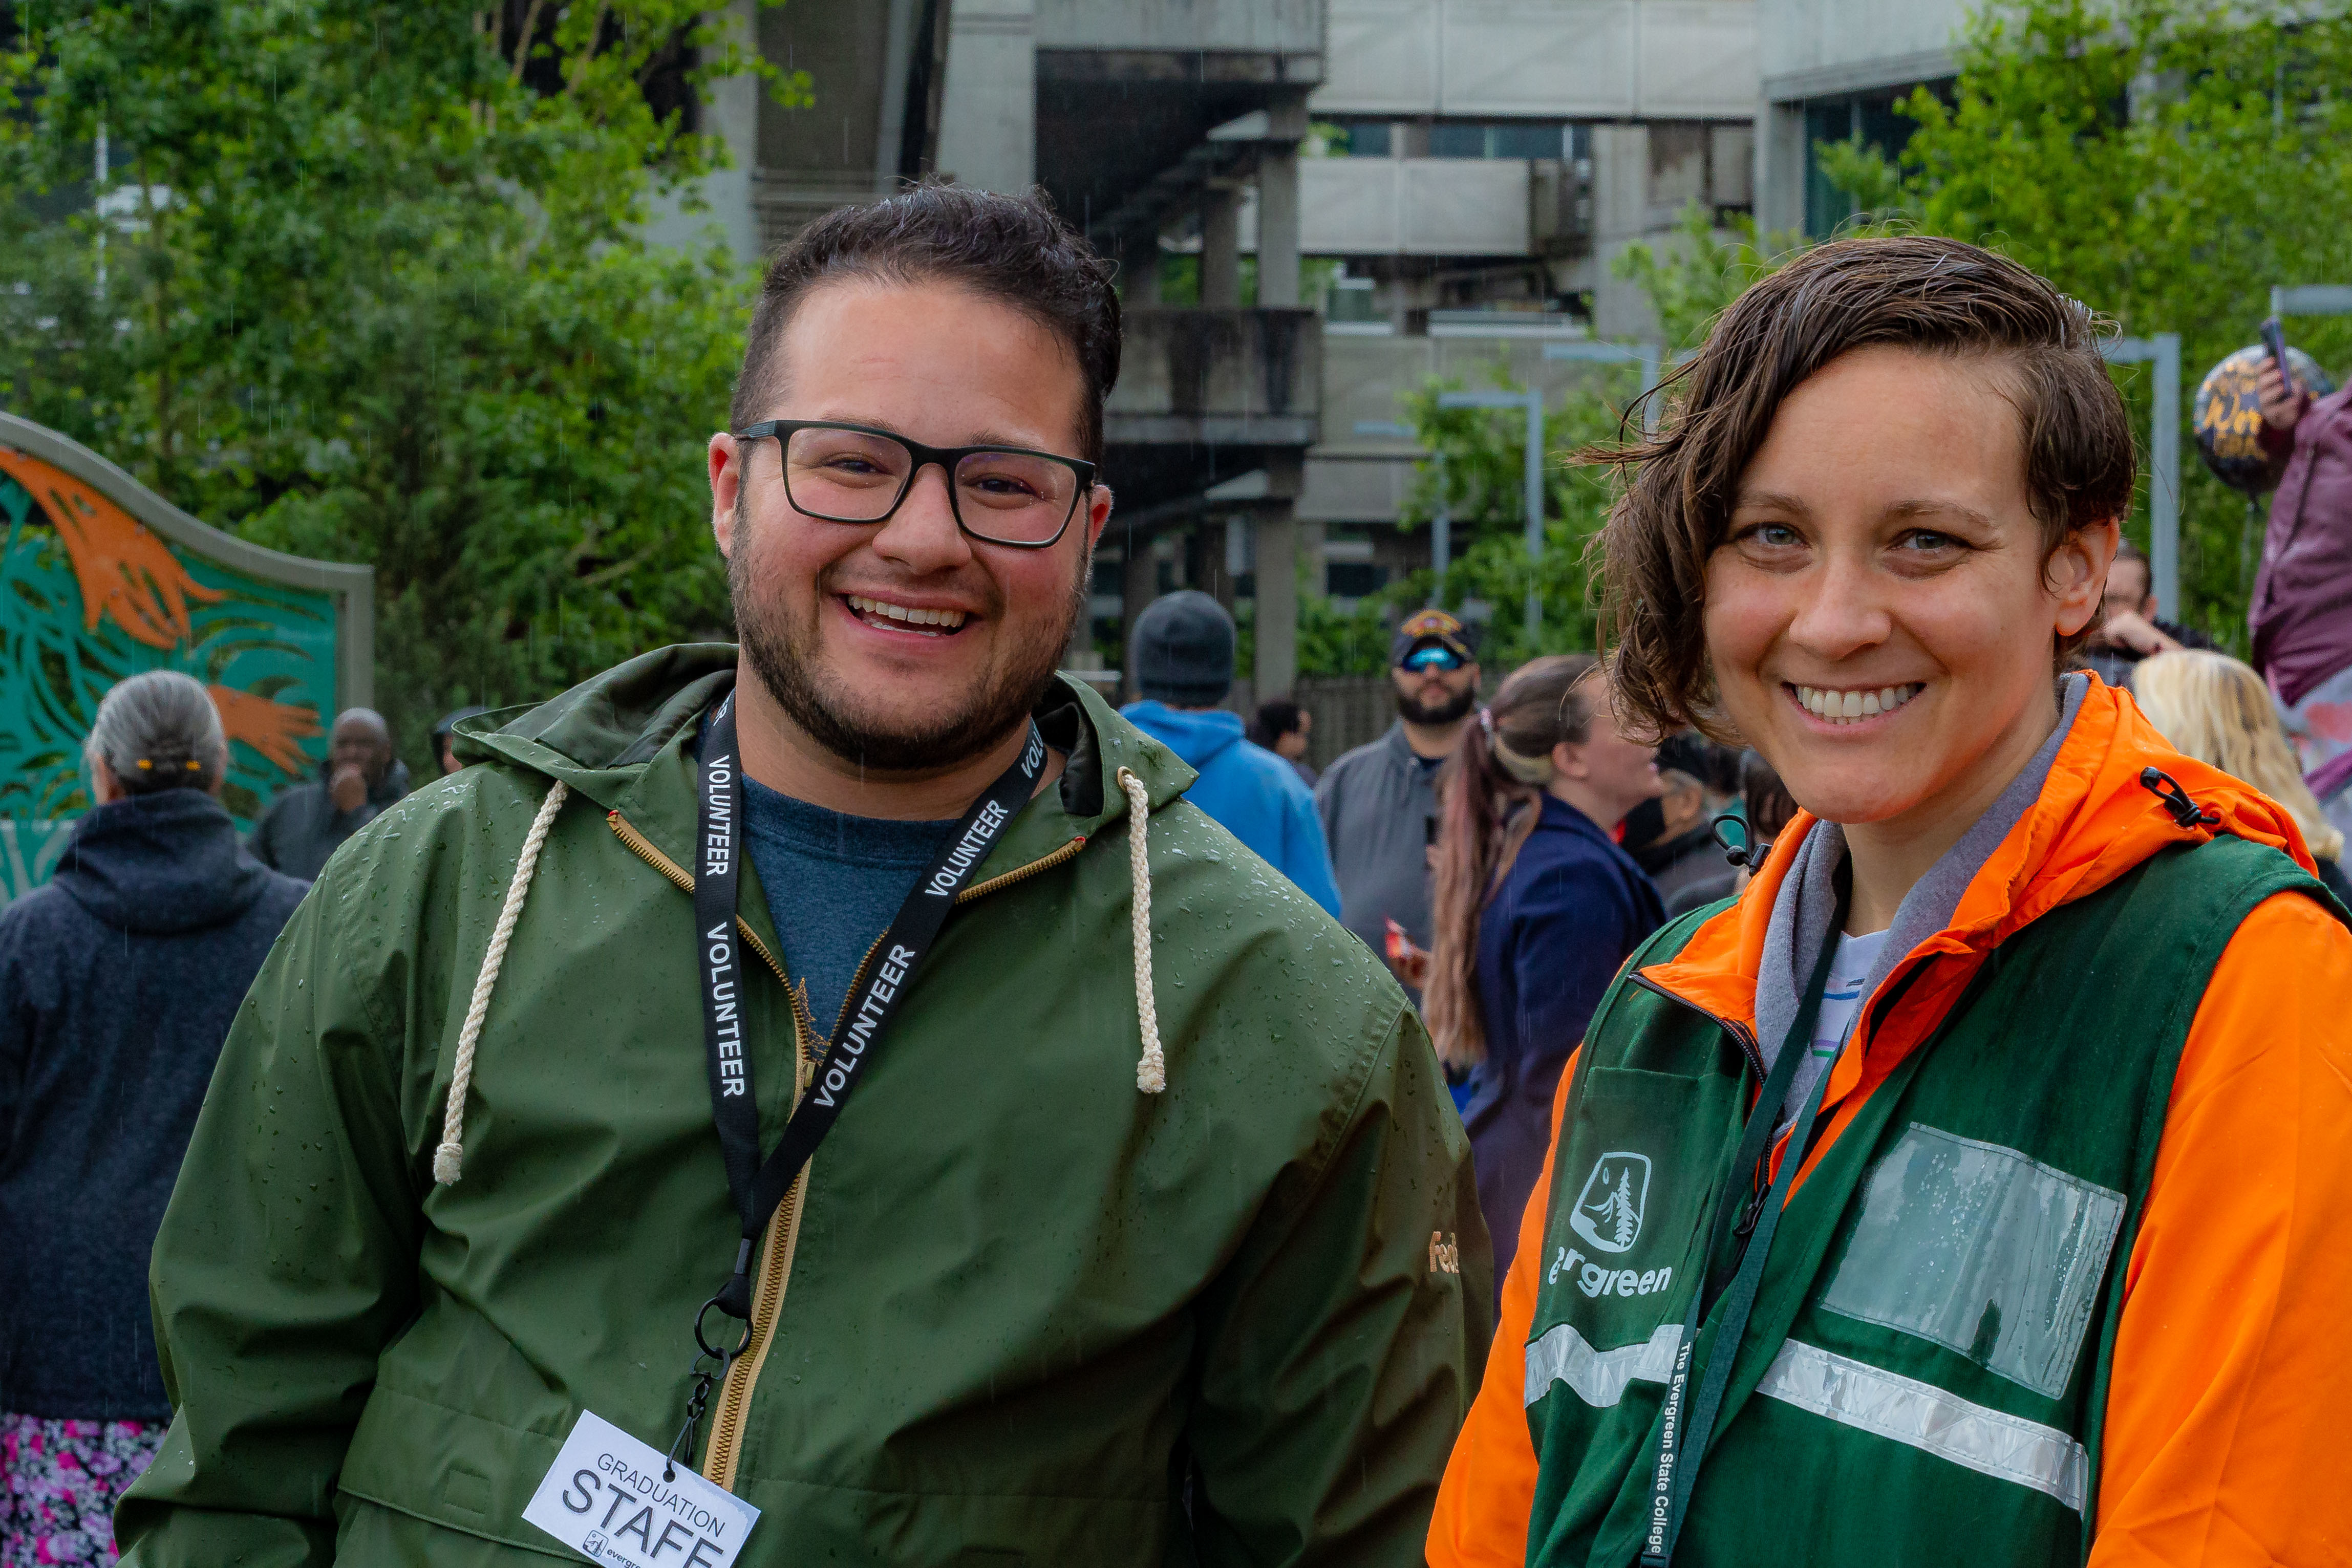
pixel 2228 415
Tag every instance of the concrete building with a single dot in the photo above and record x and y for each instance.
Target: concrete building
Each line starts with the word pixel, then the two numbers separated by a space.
pixel 879 71
pixel 1487 164
pixel 1834 70
pixel 1316 205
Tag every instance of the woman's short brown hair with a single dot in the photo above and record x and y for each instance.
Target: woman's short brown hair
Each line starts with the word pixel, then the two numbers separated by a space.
pixel 1938 296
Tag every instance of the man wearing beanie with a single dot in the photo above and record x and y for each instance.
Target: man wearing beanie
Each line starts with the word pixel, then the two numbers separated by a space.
pixel 1182 658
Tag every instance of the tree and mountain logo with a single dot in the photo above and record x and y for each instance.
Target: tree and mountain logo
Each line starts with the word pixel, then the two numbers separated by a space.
pixel 1608 1212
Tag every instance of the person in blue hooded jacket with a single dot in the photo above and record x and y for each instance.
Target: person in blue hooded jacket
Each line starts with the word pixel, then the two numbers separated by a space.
pixel 1182 658
pixel 118 981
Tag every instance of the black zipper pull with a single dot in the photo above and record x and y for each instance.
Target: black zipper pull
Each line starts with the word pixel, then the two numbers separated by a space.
pixel 2185 812
pixel 1746 852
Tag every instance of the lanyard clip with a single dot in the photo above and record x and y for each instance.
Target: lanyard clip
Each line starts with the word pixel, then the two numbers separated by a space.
pixel 681 1452
pixel 712 1363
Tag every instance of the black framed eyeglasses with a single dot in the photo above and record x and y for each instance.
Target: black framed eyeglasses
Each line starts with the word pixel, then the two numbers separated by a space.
pixel 855 474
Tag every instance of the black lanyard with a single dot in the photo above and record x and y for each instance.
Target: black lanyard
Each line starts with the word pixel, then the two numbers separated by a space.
pixel 1672 1473
pixel 760 1189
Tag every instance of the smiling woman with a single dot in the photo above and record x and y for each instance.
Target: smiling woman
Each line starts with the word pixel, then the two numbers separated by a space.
pixel 2060 1002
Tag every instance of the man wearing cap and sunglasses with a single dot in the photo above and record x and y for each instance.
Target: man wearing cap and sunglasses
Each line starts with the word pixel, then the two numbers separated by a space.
pixel 833 1099
pixel 1379 802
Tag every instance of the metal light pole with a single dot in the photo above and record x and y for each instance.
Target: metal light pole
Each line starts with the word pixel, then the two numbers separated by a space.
pixel 1441 525
pixel 1643 355
pixel 2163 457
pixel 1533 402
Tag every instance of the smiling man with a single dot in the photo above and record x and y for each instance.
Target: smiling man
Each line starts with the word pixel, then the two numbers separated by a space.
pixel 842 1065
pixel 1974 1188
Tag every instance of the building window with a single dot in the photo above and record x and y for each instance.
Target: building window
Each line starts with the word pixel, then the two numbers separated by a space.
pixel 1523 141
pixel 1359 139
pixel 1870 118
pixel 1511 139
pixel 1457 141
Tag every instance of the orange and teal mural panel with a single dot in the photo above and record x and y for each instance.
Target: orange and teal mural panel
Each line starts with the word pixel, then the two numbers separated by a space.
pixel 100 579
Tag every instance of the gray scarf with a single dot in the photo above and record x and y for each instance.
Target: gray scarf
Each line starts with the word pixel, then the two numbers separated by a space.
pixel 1807 903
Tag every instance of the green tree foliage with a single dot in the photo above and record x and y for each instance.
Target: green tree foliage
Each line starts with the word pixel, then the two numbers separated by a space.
pixel 2164 161
pixel 373 287
pixel 2167 162
pixel 1692 277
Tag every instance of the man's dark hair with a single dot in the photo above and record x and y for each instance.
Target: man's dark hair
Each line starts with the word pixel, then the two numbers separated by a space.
pixel 1275 719
pixel 1012 248
pixel 1938 297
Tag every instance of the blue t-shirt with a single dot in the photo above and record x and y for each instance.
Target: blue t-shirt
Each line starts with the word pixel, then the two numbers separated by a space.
pixel 833 882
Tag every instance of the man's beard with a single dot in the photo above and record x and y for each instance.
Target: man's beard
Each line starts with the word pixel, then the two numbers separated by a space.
pixel 783 655
pixel 1456 704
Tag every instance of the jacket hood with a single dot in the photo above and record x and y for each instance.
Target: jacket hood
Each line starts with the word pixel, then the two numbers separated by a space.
pixel 2093 821
pixel 161 864
pixel 1197 734
pixel 600 737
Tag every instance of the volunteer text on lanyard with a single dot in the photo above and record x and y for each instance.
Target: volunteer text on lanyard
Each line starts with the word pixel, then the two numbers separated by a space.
pixel 759 1188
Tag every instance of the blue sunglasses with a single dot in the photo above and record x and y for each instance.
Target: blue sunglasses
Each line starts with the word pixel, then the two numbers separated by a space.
pixel 1435 657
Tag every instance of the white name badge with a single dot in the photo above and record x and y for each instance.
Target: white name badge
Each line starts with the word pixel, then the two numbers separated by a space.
pixel 606 1499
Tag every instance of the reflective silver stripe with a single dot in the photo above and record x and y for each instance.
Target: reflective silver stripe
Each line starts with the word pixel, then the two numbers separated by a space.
pixel 1905 1410
pixel 1598 1376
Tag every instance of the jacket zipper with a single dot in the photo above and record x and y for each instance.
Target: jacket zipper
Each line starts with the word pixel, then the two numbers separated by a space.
pixel 1043 863
pixel 1741 1035
pixel 1745 1039
pixel 721 1457
pixel 1891 990
pixel 644 850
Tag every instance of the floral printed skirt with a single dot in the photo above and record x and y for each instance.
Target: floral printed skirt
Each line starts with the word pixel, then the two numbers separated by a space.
pixel 59 1483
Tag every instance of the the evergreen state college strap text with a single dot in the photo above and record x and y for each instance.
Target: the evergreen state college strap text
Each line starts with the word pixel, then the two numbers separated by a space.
pixel 1688 1417
pixel 759 1188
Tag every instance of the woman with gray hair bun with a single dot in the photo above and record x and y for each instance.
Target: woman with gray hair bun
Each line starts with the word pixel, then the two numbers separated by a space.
pixel 118 981
pixel 155 732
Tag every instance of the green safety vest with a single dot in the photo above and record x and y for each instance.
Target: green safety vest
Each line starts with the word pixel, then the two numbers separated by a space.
pixel 1924 1372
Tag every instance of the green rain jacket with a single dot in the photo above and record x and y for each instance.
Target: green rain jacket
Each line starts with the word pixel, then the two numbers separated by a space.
pixel 1016 1311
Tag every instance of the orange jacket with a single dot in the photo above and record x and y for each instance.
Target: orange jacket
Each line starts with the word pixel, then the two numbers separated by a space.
pixel 2225 1440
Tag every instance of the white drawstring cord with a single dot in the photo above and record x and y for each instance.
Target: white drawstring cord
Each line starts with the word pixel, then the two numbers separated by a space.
pixel 1152 1068
pixel 450 1156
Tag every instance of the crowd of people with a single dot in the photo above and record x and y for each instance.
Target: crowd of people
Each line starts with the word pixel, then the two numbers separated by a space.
pixel 1884 1018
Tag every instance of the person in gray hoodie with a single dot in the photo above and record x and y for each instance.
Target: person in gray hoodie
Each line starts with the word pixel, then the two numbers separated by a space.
pixel 118 982
pixel 1379 802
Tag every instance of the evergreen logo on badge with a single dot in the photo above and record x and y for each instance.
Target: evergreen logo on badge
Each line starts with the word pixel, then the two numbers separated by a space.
pixel 1608 1212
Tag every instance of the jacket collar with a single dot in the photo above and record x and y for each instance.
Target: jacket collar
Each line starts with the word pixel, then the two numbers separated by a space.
pixel 1559 815
pixel 624 739
pixel 2092 822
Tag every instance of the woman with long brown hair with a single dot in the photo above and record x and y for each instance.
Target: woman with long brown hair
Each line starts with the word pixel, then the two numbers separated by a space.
pixel 1536 906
